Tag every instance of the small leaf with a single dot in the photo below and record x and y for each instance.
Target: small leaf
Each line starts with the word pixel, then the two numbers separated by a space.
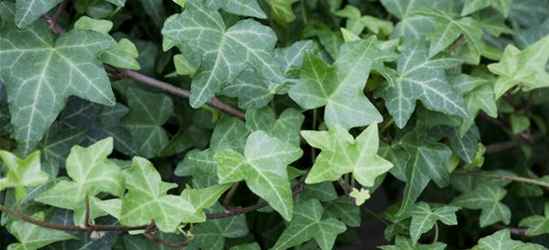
pixel 282 11
pixel 536 224
pixel 342 154
pixel 360 196
pixel 22 173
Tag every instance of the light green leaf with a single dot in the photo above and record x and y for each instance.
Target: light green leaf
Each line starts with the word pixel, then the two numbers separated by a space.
pixel 263 167
pixel 67 66
pixel 448 29
pixel 424 218
pixel 424 79
pixel 147 200
pixel 487 198
pixel 223 49
pixel 148 112
pixel 205 197
pixel 87 23
pixel 282 11
pixel 238 7
pixel 537 224
pixel 360 196
pixel 342 154
pixel 504 6
pixel 522 67
pixel 356 22
pixel 32 237
pixel 308 224
pixel 22 173
pixel 340 87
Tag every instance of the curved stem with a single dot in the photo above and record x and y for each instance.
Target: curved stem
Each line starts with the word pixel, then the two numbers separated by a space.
pixel 214 102
pixel 537 182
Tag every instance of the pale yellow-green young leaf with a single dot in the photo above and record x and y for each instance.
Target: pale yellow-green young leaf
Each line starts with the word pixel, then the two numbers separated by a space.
pixel 360 196
pixel 22 173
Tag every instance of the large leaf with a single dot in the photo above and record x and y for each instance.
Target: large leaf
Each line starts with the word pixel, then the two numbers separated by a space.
pixel 308 224
pixel 38 91
pixel 340 87
pixel 147 200
pixel 28 11
pixel 225 52
pixel 342 154
pixel 263 167
pixel 421 78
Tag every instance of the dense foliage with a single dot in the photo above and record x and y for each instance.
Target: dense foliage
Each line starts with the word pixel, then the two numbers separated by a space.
pixel 274 124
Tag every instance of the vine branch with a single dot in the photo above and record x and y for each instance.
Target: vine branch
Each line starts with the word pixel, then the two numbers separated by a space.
pixel 536 182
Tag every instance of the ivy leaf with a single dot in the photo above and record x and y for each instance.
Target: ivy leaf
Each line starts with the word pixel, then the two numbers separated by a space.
pixel 308 224
pixel 22 173
pixel 424 218
pixel 342 154
pixel 32 237
pixel 504 6
pixel 238 7
pixel 410 25
pixel 282 11
pixel 37 92
pixel 525 67
pixel 147 200
pixel 487 198
pixel 428 157
pixel 205 197
pixel 500 240
pixel 536 224
pixel 212 234
pixel 249 246
pixel 204 30
pixel 286 128
pixel 28 11
pixel 448 29
pixel 356 22
pixel 424 79
pixel 340 87
pixel 360 196
pixel 344 210
pixel 148 112
pixel 263 167
pixel 403 243
pixel 91 172
pixel 155 10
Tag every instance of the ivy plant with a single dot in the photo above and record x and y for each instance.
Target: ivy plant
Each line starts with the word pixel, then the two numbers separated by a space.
pixel 274 124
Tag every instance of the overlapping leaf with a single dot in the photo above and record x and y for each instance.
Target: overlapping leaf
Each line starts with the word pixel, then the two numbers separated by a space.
pixel 487 198
pixel 147 200
pixel 67 66
pixel 263 167
pixel 22 173
pixel 32 237
pixel 225 52
pixel 308 224
pixel 340 87
pixel 424 218
pixel 421 78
